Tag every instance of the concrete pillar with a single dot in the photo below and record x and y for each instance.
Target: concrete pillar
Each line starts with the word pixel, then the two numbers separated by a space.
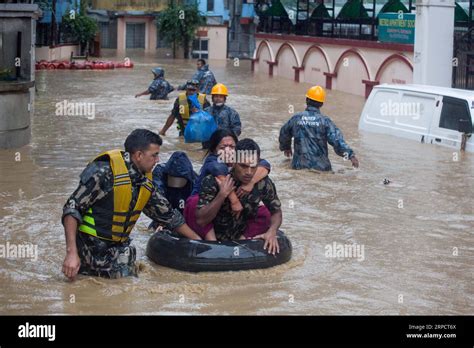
pixel 152 35
pixel 433 51
pixel 17 78
pixel 121 28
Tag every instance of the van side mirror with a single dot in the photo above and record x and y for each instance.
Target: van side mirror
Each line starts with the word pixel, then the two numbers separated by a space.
pixel 465 126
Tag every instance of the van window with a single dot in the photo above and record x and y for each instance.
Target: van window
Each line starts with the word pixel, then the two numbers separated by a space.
pixel 415 110
pixel 453 110
pixel 379 109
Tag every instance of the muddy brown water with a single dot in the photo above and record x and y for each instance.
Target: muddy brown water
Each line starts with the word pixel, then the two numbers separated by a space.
pixel 417 232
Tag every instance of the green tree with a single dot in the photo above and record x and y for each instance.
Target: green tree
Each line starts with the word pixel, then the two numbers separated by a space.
pixel 178 24
pixel 81 27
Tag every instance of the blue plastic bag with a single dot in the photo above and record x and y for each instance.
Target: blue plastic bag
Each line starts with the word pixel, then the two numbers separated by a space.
pixel 200 127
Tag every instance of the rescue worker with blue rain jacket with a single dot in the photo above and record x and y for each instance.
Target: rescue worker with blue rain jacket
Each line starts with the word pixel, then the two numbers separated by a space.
pixel 225 116
pixel 312 131
pixel 159 88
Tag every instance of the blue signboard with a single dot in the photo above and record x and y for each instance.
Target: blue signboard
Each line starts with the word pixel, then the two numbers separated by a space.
pixel 397 28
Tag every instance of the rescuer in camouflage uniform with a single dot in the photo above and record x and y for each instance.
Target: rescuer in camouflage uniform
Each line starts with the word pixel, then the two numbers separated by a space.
pixel 182 107
pixel 159 88
pixel 98 217
pixel 204 76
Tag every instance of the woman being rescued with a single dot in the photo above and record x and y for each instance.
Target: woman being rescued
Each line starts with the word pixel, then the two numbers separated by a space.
pixel 221 148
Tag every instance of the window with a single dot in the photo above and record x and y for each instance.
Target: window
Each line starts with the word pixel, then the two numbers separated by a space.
pixel 210 5
pixel 135 35
pixel 108 34
pixel 453 110
pixel 200 48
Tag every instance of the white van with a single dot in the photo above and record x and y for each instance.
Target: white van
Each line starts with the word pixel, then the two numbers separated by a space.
pixel 428 114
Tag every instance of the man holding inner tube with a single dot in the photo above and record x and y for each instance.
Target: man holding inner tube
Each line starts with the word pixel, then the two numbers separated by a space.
pixel 113 191
pixel 214 205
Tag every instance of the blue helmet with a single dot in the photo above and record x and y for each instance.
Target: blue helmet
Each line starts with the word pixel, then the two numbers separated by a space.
pixel 159 72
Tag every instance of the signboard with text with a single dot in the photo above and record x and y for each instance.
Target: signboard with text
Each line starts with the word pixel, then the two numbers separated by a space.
pixel 397 28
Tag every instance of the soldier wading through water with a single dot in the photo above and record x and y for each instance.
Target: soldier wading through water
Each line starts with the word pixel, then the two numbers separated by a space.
pixel 100 214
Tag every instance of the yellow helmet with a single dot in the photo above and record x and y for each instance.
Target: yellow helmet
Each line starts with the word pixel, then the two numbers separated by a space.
pixel 219 89
pixel 316 93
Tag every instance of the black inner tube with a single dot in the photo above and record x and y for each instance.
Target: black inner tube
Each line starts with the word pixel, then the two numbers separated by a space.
pixel 167 249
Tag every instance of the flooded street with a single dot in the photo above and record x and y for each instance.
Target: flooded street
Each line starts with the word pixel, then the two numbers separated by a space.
pixel 417 232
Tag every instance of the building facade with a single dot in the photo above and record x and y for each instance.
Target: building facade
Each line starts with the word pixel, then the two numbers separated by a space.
pixel 352 45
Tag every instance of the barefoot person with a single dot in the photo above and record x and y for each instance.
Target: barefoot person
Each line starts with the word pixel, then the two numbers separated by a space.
pixel 214 205
pixel 218 163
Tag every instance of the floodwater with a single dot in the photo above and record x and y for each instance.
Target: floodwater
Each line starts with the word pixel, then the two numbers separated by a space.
pixel 417 232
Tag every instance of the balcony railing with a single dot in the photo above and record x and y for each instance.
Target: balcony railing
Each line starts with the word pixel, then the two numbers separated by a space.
pixel 302 17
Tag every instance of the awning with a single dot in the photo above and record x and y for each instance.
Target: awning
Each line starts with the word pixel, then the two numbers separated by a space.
pixel 353 9
pixel 394 6
pixel 459 14
pixel 320 12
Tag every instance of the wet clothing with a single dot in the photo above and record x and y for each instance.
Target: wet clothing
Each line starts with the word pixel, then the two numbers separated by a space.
pixel 95 187
pixel 197 77
pixel 312 131
pixel 106 259
pixel 226 225
pixel 159 89
pixel 97 182
pixel 212 165
pixel 113 217
pixel 226 118
pixel 206 80
pixel 255 226
pixel 182 114
pixel 179 166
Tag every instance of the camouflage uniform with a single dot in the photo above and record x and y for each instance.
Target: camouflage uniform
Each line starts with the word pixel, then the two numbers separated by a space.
pixel 177 116
pixel 101 257
pixel 159 89
pixel 106 259
pixel 207 80
pixel 197 76
pixel 226 118
pixel 312 131
pixel 226 225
